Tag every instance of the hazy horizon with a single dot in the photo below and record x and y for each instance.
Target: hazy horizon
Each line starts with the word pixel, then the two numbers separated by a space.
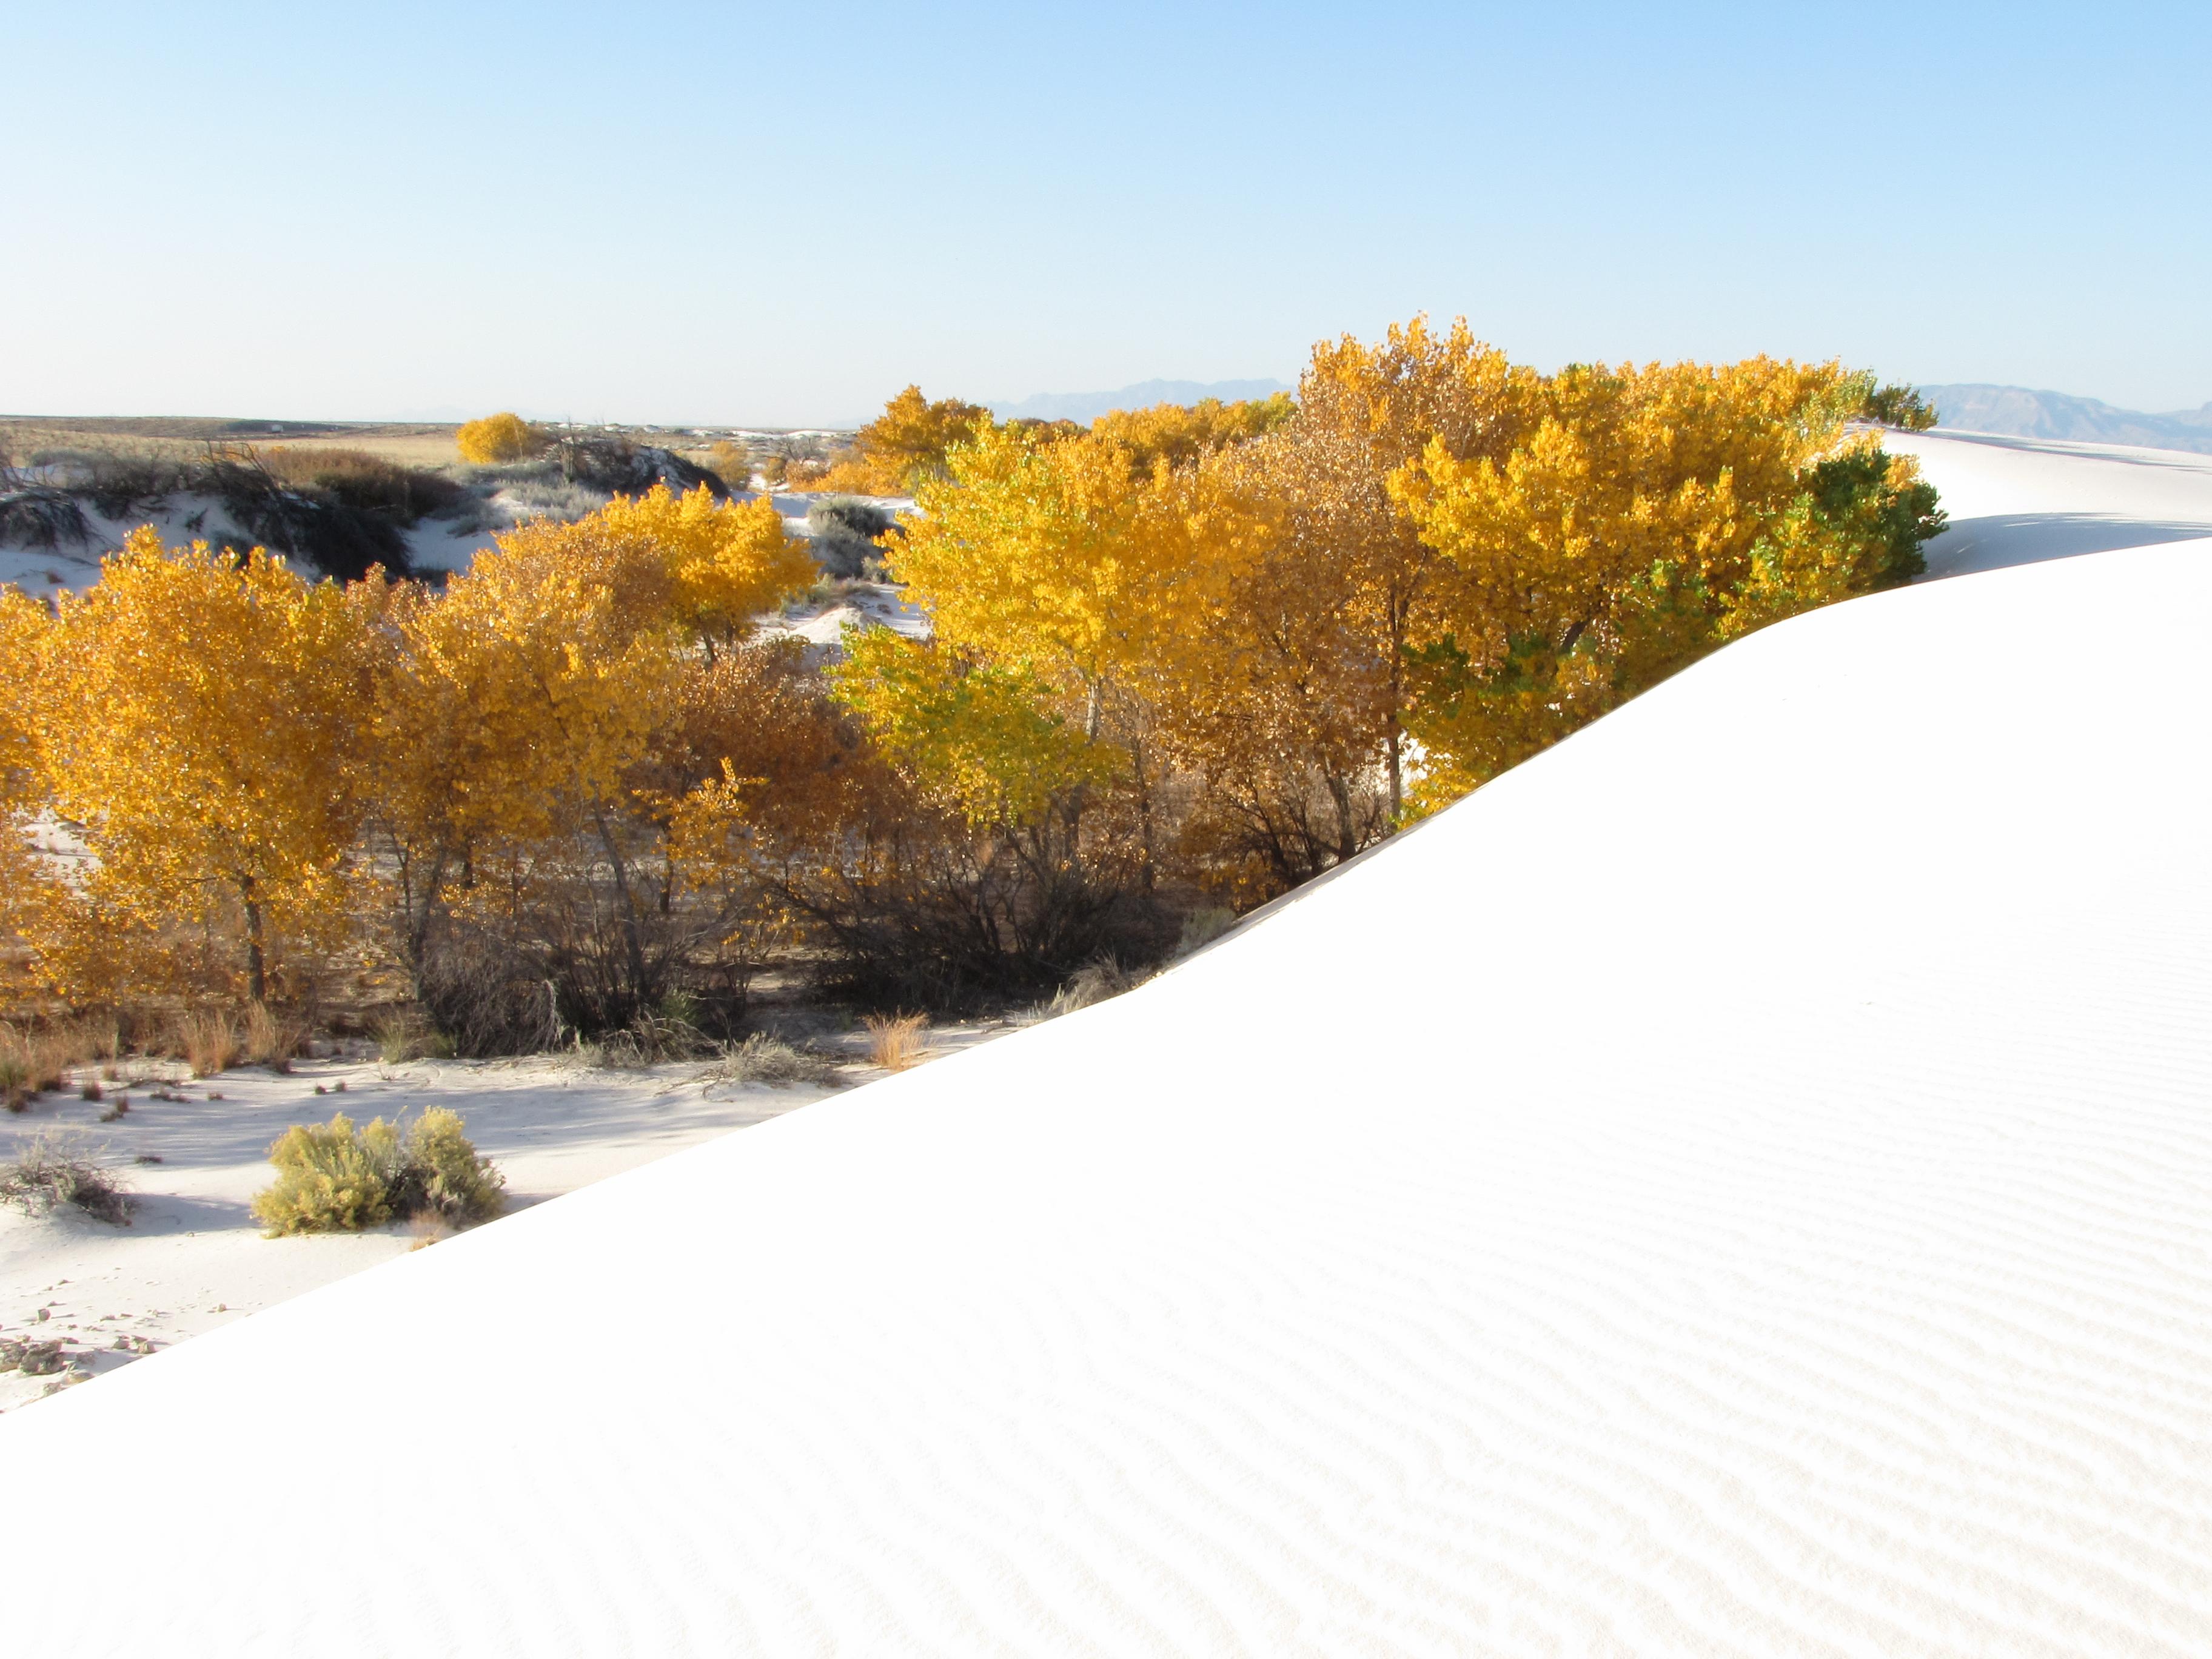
pixel 326 215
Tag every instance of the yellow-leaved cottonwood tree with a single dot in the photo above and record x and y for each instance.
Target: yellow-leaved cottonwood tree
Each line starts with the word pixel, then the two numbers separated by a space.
pixel 1642 516
pixel 199 715
pixel 513 723
pixel 496 438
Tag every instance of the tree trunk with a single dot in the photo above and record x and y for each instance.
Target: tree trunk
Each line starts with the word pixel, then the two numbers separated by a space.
pixel 1348 839
pixel 257 958
pixel 1397 777
pixel 633 936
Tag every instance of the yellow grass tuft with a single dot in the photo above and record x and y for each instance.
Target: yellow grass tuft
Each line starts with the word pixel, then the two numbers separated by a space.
pixel 211 1042
pixel 897 1041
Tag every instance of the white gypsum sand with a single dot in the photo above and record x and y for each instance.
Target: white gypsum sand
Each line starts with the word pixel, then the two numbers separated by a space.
pixel 193 1258
pixel 2019 501
pixel 1740 1184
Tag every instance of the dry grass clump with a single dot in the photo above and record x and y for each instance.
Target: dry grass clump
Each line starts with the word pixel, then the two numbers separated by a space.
pixel 209 1040
pixel 897 1042
pixel 403 1035
pixel 38 1058
pixel 333 1177
pixel 1092 983
pixel 269 1038
pixel 50 1171
pixel 764 1059
pixel 651 1038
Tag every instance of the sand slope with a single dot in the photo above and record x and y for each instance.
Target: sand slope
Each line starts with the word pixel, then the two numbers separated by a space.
pixel 1740 1185
pixel 2018 501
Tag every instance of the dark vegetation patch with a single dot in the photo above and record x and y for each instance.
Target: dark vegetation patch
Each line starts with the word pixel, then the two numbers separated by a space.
pixel 844 531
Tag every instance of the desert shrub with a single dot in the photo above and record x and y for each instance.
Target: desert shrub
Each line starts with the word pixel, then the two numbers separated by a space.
pixel 33 517
pixel 364 481
pixel 843 534
pixel 547 495
pixel 653 1037
pixel 733 462
pixel 118 481
pixel 49 1171
pixel 897 1042
pixel 339 540
pixel 1094 982
pixel 1202 926
pixel 477 1000
pixel 209 1040
pixel 330 1177
pixel 761 1058
pixel 404 1034
pixel 334 1177
pixel 503 437
pixel 442 1175
pixel 605 461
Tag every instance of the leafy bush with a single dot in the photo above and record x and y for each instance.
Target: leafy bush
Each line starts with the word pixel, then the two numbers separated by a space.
pixel 333 1177
pixel 1900 406
pixel 49 1172
pixel 443 1176
pixel 505 437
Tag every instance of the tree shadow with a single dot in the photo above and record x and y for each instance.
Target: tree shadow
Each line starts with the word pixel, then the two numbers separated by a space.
pixel 2001 540
pixel 2089 449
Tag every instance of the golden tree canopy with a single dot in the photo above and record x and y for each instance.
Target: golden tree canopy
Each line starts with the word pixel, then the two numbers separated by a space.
pixel 505 437
pixel 200 715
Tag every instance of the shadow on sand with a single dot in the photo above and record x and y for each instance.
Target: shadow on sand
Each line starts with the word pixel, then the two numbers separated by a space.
pixel 2005 539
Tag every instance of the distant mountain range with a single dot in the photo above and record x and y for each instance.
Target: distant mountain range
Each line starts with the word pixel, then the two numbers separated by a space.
pixel 1088 406
pixel 2017 412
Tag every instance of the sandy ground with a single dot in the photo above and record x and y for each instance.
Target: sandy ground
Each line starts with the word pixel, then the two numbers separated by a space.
pixel 193 1258
pixel 2021 500
pixel 1737 1185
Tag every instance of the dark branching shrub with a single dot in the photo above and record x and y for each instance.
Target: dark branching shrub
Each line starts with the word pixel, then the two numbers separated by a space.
pixel 334 1177
pixel 479 1006
pixel 37 517
pixel 117 483
pixel 968 924
pixel 336 539
pixel 621 468
pixel 650 1037
pixel 843 532
pixel 48 1172
pixel 365 483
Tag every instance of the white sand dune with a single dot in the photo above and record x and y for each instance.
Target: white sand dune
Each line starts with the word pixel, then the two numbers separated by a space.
pixel 1741 1184
pixel 2020 501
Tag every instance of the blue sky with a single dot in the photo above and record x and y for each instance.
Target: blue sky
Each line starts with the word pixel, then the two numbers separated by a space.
pixel 784 213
